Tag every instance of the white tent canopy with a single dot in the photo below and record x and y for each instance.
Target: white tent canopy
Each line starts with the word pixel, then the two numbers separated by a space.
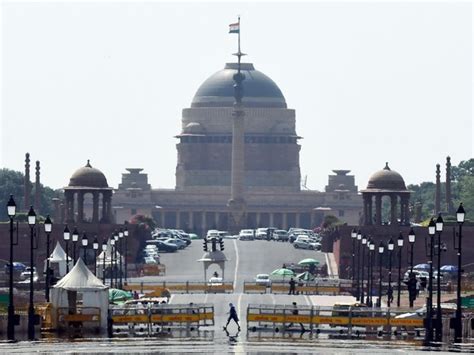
pixel 81 280
pixel 58 256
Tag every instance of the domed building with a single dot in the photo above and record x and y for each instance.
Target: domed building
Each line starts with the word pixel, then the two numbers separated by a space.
pixel 271 143
pixel 386 182
pixel 88 181
pixel 271 175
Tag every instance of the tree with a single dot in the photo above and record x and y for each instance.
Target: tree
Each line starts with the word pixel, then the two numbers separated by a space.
pixel 465 168
pixel 12 183
pixel 467 195
pixel 330 221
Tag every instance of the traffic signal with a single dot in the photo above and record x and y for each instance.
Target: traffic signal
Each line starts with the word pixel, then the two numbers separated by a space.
pixel 221 244
pixel 204 246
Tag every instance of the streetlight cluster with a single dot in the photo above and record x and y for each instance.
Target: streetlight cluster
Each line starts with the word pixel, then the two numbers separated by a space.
pixel 34 235
pixel 117 248
pixel 363 278
pixel 116 242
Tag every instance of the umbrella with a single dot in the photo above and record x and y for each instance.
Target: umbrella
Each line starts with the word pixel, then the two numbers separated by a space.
pixel 305 276
pixel 308 261
pixel 283 272
pixel 449 268
pixel 116 295
pixel 421 267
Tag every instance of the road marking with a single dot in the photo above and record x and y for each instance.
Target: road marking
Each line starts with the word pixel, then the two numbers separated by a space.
pixel 328 265
pixel 171 298
pixel 236 264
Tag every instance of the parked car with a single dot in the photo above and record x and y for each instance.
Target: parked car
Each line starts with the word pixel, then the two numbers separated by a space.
pixel 212 233
pixel 246 234
pixel 419 274
pixel 25 275
pixel 163 246
pixel 261 233
pixel 280 235
pixel 149 260
pixel 302 242
pixel 215 281
pixel 263 280
pixel 179 243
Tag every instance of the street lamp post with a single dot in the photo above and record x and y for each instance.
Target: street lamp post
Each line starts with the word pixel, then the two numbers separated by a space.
pixel 75 238
pixel 104 249
pixel 429 299
pixel 11 210
pixel 460 214
pixel 390 247
pixel 411 292
pixel 439 320
pixel 84 242
pixel 67 237
pixel 125 234
pixel 372 261
pixel 353 237
pixel 31 308
pixel 116 238
pixel 399 287
pixel 112 261
pixel 381 250
pixel 95 247
pixel 359 239
pixel 364 243
pixel 48 226
pixel 120 234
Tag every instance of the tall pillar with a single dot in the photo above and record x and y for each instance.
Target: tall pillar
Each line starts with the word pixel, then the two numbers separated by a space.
pixel 407 211
pixel 369 210
pixel 271 222
pixel 257 219
pixel 37 189
pixel 237 203
pixel 95 207
pixel 297 220
pixel 378 209
pixel 69 206
pixel 191 221
pixel 203 222
pixel 104 208
pixel 393 209
pixel 178 220
pixel 80 207
pixel 162 221
pixel 438 191
pixel 285 221
pixel 449 201
pixel 109 207
pixel 216 220
pixel 27 183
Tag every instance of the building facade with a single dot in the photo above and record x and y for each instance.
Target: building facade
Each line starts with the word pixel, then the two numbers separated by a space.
pixel 272 179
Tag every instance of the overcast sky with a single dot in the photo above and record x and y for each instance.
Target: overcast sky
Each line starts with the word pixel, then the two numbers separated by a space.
pixel 370 82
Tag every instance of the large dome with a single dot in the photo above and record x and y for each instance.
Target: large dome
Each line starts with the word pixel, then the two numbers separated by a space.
pixel 386 179
pixel 258 89
pixel 88 176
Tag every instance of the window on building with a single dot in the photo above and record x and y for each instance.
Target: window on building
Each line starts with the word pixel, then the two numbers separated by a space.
pixel 341 213
pixel 133 211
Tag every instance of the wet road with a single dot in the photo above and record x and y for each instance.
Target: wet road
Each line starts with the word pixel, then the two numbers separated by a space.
pixel 246 259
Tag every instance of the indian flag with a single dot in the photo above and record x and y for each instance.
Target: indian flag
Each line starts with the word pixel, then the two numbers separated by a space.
pixel 234 28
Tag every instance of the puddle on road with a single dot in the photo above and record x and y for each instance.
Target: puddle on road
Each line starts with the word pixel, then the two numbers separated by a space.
pixel 217 341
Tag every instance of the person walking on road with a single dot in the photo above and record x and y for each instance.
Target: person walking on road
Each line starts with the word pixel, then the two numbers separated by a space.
pixel 232 316
pixel 295 313
pixel 292 287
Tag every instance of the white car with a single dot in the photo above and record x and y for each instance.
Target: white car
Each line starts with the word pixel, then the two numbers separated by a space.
pixel 302 242
pixel 246 234
pixel 215 281
pixel 261 233
pixel 263 280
